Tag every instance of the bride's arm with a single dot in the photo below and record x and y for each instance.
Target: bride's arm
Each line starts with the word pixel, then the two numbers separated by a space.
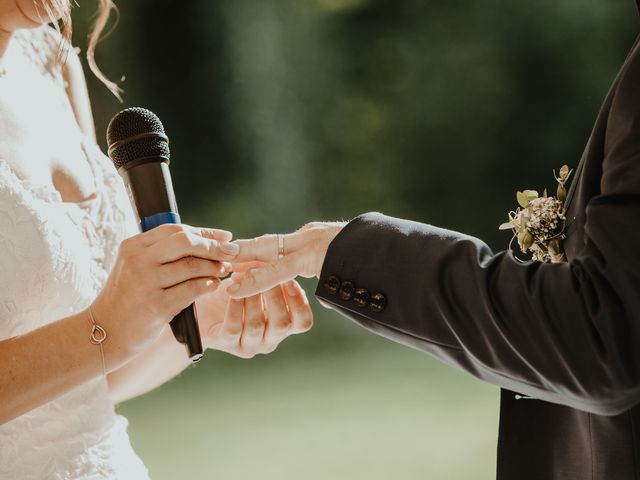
pixel 40 366
pixel 155 276
pixel 159 363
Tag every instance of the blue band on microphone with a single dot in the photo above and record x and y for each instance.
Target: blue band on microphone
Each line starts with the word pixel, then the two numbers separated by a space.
pixel 153 221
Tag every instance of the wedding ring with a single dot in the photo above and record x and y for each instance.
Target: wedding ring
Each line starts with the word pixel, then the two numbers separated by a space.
pixel 280 246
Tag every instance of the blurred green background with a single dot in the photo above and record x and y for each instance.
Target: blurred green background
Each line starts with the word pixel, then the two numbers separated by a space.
pixel 286 111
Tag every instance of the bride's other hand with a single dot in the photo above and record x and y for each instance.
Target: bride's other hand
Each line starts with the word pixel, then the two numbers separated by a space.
pixel 304 253
pixel 254 325
pixel 156 275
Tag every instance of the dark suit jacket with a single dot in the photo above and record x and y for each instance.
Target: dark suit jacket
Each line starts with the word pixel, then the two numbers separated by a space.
pixel 567 335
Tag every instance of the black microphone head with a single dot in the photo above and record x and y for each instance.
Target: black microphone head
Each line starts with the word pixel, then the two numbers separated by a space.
pixel 136 134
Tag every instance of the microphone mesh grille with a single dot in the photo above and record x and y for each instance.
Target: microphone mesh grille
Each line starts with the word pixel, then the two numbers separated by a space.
pixel 130 123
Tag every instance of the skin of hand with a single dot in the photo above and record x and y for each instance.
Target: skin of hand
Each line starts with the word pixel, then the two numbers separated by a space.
pixel 254 325
pixel 156 275
pixel 304 253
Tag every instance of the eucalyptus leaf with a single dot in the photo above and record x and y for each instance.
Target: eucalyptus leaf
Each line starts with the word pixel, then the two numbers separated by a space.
pixel 523 200
pixel 562 193
pixel 531 194
pixel 506 226
pixel 525 239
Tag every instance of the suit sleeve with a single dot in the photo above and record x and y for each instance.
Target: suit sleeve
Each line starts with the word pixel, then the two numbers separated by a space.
pixel 566 333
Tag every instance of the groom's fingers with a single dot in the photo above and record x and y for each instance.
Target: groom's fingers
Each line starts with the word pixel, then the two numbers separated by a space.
pixel 278 318
pixel 254 324
pixel 301 314
pixel 262 279
pixel 232 326
pixel 246 266
pixel 265 248
pixel 262 249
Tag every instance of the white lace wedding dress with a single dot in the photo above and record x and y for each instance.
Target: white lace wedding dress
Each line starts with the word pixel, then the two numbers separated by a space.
pixel 54 259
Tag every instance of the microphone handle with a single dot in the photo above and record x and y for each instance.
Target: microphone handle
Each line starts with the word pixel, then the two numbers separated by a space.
pixel 185 328
pixel 184 325
pixel 148 184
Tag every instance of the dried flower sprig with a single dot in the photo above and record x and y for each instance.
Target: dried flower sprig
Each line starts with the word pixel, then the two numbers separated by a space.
pixel 538 224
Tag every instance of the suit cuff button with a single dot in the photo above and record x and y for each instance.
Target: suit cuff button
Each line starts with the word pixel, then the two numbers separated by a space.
pixel 378 302
pixel 347 289
pixel 332 284
pixel 361 297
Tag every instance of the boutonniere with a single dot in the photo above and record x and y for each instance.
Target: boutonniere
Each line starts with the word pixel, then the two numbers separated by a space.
pixel 538 223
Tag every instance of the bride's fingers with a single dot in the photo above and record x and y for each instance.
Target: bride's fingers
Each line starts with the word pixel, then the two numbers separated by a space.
pixel 190 267
pixel 254 324
pixel 185 293
pixel 162 231
pixel 262 279
pixel 223 236
pixel 187 243
pixel 301 314
pixel 278 318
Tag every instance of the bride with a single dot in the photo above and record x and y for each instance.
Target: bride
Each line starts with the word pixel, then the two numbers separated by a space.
pixel 69 276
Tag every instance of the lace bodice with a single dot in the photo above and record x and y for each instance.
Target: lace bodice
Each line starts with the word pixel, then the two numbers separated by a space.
pixel 54 259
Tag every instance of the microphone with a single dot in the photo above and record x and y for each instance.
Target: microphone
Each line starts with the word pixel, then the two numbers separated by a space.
pixel 139 149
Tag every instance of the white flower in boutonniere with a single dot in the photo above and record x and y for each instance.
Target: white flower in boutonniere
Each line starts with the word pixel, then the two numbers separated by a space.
pixel 538 224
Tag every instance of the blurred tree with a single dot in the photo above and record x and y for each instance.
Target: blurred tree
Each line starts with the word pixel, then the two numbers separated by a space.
pixel 281 111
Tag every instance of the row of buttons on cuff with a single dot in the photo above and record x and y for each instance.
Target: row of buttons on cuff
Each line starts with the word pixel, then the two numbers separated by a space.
pixel 360 296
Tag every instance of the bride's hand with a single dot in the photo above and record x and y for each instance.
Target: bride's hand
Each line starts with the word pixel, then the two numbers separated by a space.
pixel 304 253
pixel 255 325
pixel 156 275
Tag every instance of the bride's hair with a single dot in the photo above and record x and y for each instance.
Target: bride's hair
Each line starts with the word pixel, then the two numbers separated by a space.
pixel 59 11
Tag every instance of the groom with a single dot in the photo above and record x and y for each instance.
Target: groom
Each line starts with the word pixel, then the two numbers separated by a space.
pixel 562 339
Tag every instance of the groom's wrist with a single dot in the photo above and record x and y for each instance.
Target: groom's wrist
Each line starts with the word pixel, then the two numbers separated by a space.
pixel 341 281
pixel 331 231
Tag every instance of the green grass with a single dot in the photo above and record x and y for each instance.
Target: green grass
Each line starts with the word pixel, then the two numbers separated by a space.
pixel 374 411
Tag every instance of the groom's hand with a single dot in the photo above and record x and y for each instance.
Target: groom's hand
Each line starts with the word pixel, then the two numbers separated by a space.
pixel 303 255
pixel 254 325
